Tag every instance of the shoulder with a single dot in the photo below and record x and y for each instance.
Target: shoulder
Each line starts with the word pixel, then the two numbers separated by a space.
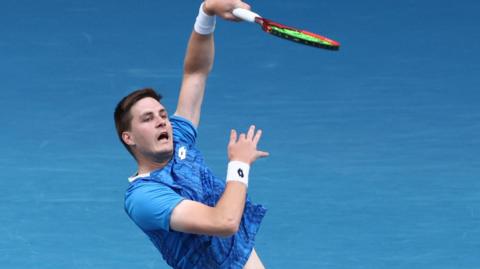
pixel 150 204
pixel 183 130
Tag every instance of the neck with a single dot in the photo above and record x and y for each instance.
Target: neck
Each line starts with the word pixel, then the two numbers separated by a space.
pixel 147 165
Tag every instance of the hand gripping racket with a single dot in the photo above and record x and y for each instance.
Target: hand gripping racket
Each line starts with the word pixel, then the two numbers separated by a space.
pixel 287 32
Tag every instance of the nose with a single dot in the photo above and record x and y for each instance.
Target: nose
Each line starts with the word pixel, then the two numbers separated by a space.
pixel 161 122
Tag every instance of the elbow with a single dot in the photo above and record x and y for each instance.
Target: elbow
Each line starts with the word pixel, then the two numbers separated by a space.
pixel 232 227
pixel 192 70
pixel 229 227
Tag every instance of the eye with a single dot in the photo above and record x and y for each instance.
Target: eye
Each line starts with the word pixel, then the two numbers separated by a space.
pixel 148 118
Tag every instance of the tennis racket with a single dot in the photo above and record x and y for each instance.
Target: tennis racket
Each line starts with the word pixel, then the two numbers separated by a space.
pixel 287 32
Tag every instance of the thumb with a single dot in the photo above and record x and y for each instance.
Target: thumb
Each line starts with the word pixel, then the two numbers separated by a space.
pixel 262 154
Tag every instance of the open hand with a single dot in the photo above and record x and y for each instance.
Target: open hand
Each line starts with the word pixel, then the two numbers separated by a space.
pixel 244 148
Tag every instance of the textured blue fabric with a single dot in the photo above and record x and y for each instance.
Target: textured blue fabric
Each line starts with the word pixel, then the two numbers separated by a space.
pixel 187 177
pixel 150 204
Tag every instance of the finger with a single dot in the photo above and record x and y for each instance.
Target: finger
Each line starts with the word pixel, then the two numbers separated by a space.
pixel 229 16
pixel 251 132
pixel 243 5
pixel 242 136
pixel 240 4
pixel 257 136
pixel 262 154
pixel 234 18
pixel 233 137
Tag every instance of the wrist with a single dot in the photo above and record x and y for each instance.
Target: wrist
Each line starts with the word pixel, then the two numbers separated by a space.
pixel 204 23
pixel 238 171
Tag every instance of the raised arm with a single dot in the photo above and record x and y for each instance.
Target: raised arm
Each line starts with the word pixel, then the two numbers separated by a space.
pixel 198 63
pixel 199 60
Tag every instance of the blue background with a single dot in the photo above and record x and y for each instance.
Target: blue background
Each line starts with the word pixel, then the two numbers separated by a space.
pixel 374 149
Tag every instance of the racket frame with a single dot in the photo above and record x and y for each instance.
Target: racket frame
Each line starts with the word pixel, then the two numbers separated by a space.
pixel 287 32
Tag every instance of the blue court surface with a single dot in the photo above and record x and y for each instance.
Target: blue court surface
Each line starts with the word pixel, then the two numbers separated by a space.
pixel 375 149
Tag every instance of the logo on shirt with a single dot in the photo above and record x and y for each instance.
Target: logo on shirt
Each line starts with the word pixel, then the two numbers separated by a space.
pixel 182 153
pixel 240 172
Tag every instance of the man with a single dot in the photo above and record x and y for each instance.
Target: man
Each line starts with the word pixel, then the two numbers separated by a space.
pixel 193 218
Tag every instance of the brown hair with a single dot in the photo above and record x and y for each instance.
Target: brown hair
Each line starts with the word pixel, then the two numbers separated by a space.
pixel 122 115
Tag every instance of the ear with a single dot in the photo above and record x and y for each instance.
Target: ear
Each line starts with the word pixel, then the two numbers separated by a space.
pixel 128 138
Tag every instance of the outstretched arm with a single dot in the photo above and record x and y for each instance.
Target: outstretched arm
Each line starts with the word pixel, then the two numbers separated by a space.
pixel 199 61
pixel 197 66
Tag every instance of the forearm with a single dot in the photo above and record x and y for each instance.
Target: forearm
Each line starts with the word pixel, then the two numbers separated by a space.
pixel 223 219
pixel 197 66
pixel 229 209
pixel 200 54
pixel 232 202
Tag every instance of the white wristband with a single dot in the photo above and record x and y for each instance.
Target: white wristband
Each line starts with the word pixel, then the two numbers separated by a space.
pixel 204 24
pixel 238 171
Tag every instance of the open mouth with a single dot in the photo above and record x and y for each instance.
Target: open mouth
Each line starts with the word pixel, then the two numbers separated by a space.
pixel 163 136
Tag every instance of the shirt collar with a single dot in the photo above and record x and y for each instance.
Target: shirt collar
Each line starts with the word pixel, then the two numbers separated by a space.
pixel 137 176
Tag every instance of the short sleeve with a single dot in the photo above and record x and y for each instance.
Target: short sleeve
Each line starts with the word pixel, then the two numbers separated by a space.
pixel 183 130
pixel 150 205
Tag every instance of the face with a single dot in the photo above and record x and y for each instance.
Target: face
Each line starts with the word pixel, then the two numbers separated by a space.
pixel 150 136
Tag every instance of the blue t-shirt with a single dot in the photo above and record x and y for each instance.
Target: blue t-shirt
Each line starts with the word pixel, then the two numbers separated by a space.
pixel 151 198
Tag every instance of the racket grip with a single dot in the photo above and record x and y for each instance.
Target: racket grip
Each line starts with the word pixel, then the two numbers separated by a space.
pixel 245 14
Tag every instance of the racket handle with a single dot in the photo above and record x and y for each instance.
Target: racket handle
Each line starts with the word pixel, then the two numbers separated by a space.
pixel 245 14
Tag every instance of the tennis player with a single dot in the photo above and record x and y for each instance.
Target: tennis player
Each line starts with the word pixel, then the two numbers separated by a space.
pixel 193 218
